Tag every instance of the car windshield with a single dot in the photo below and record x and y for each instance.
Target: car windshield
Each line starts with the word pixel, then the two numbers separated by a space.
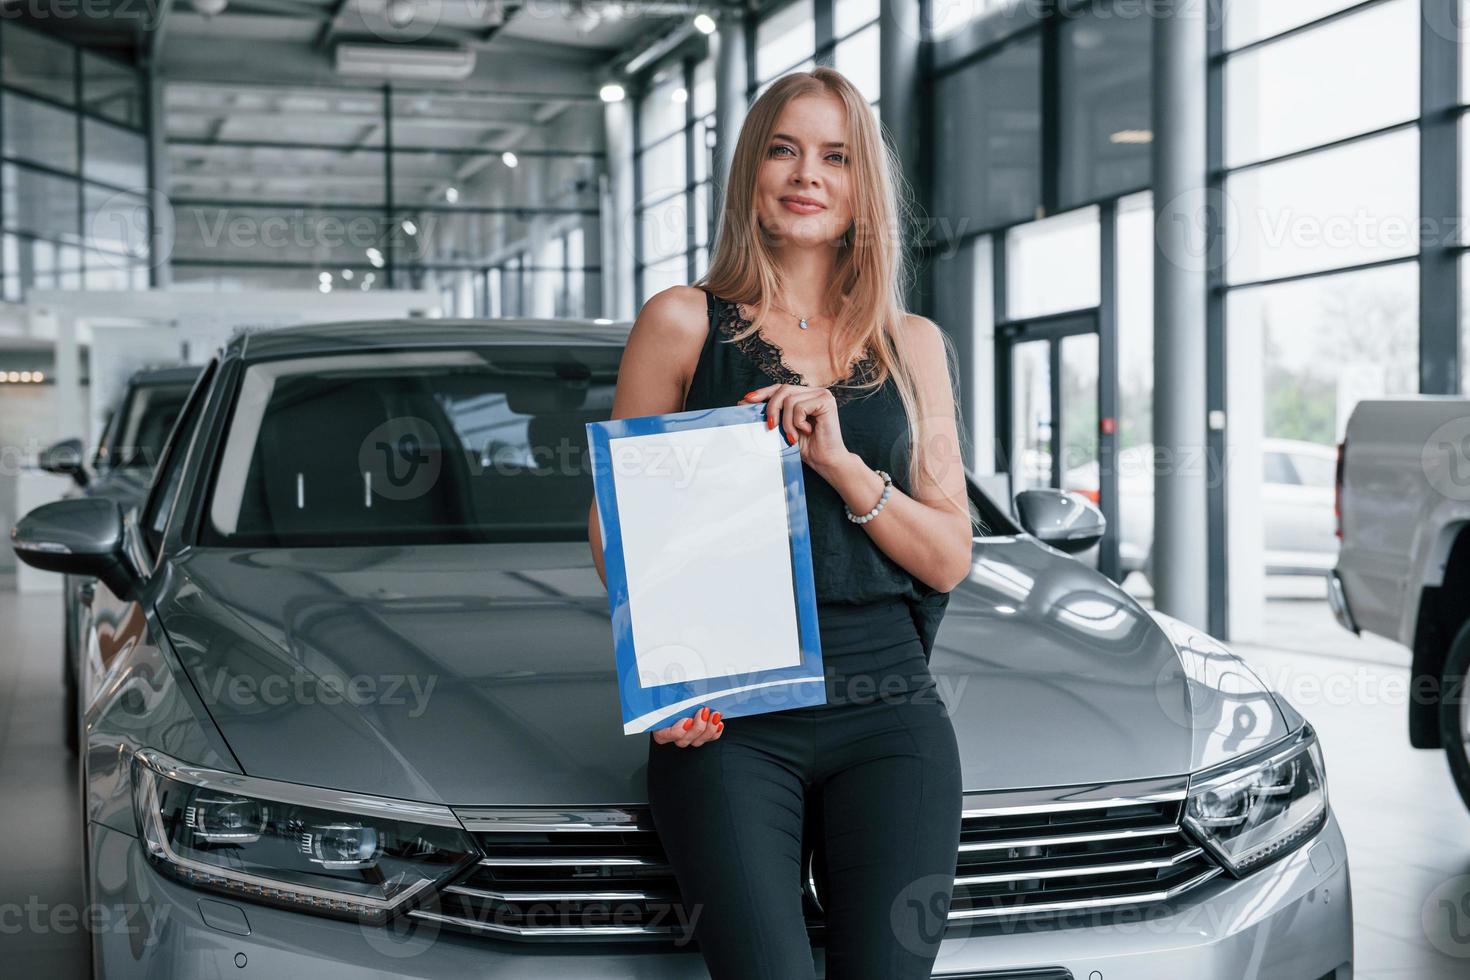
pixel 427 446
pixel 139 431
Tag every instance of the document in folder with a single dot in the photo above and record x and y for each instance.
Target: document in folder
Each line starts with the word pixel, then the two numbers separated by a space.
pixel 708 562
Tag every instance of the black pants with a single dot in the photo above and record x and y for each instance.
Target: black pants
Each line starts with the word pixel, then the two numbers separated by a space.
pixel 730 815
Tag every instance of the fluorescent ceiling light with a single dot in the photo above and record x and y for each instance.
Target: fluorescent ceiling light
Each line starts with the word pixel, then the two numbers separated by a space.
pixel 404 61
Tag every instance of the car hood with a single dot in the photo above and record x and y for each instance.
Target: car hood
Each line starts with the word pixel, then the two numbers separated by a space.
pixel 480 674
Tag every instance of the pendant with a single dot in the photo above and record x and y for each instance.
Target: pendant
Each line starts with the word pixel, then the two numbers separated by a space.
pixel 802 323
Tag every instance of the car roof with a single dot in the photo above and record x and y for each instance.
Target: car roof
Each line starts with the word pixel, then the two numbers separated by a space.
pixel 166 375
pixel 349 335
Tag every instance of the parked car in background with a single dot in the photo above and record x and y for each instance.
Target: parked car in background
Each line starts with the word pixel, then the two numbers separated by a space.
pixel 358 706
pixel 1404 569
pixel 1296 502
pixel 120 468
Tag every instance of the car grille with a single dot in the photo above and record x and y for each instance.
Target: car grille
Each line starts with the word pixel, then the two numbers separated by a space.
pixel 600 874
pixel 1080 855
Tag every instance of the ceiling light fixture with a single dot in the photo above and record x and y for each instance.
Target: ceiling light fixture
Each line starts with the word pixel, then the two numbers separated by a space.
pixel 1131 136
pixel 404 61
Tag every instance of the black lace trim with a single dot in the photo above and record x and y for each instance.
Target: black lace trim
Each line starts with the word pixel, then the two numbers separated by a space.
pixel 770 359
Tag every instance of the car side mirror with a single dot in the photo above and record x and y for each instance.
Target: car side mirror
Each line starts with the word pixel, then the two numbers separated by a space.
pixel 80 536
pixel 1065 521
pixel 65 459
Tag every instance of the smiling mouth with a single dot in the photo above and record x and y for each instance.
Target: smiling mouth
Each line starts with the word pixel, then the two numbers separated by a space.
pixel 802 207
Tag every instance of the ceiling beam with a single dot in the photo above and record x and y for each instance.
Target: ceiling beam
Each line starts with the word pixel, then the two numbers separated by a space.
pixel 325 34
pixel 153 29
pixel 288 8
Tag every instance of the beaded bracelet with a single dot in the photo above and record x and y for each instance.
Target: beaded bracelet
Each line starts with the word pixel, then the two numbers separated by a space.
pixel 887 489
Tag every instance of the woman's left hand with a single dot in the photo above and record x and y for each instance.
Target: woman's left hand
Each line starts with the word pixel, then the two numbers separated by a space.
pixel 807 417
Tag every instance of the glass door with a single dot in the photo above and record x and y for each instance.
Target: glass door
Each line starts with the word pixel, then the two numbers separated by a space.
pixel 1055 432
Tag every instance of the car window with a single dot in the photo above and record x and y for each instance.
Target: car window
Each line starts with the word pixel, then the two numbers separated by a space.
pixel 444 445
pixel 99 456
pixel 168 477
pixel 143 425
pixel 1278 469
pixel 1315 471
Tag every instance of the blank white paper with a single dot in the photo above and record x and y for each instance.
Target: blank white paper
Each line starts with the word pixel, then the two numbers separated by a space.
pixel 707 549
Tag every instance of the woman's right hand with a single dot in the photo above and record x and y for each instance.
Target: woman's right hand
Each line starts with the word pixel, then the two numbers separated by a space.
pixel 694 730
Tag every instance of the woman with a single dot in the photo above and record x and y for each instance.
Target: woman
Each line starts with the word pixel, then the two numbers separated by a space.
pixel 805 287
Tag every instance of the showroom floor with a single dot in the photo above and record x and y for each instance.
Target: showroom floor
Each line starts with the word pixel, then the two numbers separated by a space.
pixel 41 897
pixel 1408 833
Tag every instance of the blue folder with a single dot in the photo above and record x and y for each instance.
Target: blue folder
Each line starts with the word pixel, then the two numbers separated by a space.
pixel 654 698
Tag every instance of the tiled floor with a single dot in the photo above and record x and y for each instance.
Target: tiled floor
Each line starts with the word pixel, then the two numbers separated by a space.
pixel 41 901
pixel 1408 833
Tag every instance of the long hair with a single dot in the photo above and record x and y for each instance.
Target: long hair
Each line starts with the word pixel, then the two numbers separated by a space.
pixel 872 269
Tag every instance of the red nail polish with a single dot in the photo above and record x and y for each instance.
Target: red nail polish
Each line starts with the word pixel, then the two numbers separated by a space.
pixel 720 727
pixel 704 714
pixel 688 724
pixel 715 718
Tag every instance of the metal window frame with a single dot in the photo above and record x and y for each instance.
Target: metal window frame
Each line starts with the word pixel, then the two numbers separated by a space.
pixel 1439 297
pixel 395 269
pixel 80 114
pixel 824 50
pixel 1442 360
pixel 688 65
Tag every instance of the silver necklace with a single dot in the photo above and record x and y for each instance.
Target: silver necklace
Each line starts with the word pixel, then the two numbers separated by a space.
pixel 801 321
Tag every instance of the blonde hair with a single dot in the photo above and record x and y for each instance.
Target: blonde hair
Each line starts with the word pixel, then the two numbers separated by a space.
pixel 872 270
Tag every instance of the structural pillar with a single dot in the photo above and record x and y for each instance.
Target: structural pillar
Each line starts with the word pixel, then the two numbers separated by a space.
pixel 906 114
pixel 731 81
pixel 620 230
pixel 1181 546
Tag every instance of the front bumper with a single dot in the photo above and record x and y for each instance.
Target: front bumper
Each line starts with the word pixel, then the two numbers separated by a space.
pixel 1291 921
pixel 1337 599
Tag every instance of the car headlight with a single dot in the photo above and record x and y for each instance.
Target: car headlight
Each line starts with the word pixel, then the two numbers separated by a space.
pixel 1252 811
pixel 342 854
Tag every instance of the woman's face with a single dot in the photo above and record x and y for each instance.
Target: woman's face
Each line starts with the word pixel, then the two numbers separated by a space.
pixel 802 189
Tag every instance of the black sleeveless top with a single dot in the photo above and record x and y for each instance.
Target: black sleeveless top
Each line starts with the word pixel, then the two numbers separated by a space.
pixel 850 572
